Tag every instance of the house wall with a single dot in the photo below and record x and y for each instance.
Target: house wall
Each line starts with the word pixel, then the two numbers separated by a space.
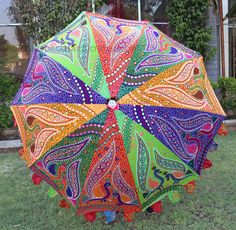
pixel 226 37
pixel 213 65
pixel 230 26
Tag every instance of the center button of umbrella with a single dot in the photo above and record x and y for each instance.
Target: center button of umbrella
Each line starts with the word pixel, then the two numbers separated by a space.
pixel 112 104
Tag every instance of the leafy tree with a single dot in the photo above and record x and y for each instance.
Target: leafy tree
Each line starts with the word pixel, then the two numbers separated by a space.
pixel 44 18
pixel 3 43
pixel 188 20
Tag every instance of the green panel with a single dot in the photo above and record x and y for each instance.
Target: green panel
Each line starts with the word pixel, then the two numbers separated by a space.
pixel 74 47
pixel 153 165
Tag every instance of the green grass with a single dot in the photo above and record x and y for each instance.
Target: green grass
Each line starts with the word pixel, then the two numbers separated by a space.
pixel 212 206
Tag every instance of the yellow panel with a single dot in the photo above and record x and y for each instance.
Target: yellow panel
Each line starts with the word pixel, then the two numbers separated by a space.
pixel 43 126
pixel 183 86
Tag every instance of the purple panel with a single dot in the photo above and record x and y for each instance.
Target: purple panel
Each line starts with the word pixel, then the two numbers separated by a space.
pixel 46 81
pixel 188 133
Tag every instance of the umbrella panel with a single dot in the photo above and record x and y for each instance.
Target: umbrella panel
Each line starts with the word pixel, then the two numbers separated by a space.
pixel 102 159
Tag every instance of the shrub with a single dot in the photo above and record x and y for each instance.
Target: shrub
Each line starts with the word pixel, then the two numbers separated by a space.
pixel 227 88
pixel 8 89
pixel 188 20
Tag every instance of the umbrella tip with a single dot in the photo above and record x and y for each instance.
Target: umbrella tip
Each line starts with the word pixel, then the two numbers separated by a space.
pixel 112 104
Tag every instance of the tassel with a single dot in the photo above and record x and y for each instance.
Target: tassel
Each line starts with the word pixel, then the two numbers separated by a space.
pixel 174 196
pixel 90 216
pixel 21 153
pixel 52 192
pixel 213 147
pixel 223 130
pixel 36 179
pixel 157 207
pixel 207 164
pixel 190 187
pixel 64 204
pixel 14 122
pixel 128 216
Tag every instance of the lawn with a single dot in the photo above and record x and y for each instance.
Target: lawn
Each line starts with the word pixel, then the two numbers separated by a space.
pixel 212 206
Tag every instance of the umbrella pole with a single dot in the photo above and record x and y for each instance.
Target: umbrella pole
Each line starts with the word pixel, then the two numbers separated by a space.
pixel 139 10
pixel 93 5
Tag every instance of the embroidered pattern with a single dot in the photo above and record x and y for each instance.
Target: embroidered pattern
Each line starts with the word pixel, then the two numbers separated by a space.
pixel 115 115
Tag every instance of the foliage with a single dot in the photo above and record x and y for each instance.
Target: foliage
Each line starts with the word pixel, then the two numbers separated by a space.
pixel 6 119
pixel 215 85
pixel 8 52
pixel 8 89
pixel 3 43
pixel 44 18
pixel 227 88
pixel 188 20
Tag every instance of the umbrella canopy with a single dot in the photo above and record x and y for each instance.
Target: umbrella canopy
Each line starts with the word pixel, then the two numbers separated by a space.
pixel 115 115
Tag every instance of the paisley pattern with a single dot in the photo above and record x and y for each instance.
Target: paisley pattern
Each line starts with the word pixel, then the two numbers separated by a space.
pixel 184 74
pixel 156 60
pixel 73 189
pixel 121 184
pixel 169 164
pixel 152 41
pixel 65 165
pixel 42 126
pixel 164 170
pixel 193 123
pixel 143 163
pixel 115 44
pixel 58 80
pixel 178 96
pixel 181 130
pixel 40 143
pixel 101 27
pixel 115 115
pixel 83 53
pixel 48 82
pixel 100 170
pixel 35 92
pixel 182 85
pixel 76 50
pixel 121 45
pixel 53 164
pixel 63 153
pixel 47 115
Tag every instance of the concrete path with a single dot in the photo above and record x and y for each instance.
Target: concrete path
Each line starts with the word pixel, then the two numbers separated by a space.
pixel 230 124
pixel 8 145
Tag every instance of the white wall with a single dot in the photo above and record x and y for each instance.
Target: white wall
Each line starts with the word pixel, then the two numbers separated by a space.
pixel 226 37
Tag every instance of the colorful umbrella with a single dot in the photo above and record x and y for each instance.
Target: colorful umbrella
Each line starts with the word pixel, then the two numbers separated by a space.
pixel 115 115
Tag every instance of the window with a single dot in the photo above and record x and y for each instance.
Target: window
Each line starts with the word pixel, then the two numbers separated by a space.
pixel 232 48
pixel 127 9
pixel 232 42
pixel 150 10
pixel 14 46
pixel 155 12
